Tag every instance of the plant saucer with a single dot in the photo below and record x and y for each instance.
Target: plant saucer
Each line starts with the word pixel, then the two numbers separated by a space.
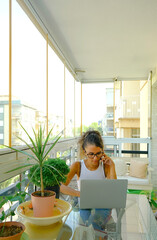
pixel 61 209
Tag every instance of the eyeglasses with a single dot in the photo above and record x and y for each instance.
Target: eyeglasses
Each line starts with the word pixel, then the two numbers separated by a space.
pixel 92 155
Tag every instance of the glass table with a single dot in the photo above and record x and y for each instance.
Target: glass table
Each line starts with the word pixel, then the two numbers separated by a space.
pixel 72 228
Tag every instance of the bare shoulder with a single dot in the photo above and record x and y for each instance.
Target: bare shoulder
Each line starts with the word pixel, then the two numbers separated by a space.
pixel 75 167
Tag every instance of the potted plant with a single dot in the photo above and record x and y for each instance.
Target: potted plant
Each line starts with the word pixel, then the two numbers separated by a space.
pixel 43 200
pixel 10 229
pixel 54 172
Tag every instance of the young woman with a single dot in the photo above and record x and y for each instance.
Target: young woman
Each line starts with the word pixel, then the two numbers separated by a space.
pixel 95 165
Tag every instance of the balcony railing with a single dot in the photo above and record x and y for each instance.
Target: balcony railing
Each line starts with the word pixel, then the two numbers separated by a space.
pixel 116 146
pixel 10 159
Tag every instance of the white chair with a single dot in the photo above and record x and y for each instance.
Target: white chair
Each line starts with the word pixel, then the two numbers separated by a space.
pixel 136 170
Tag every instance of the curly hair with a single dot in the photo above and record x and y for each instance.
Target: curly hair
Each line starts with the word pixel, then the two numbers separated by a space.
pixel 91 137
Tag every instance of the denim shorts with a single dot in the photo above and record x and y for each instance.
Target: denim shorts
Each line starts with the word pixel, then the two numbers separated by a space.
pixel 97 217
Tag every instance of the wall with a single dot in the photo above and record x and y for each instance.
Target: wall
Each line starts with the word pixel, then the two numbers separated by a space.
pixel 154 130
pixel 144 113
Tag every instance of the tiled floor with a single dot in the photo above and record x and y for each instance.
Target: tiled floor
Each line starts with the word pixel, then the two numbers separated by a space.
pixel 132 227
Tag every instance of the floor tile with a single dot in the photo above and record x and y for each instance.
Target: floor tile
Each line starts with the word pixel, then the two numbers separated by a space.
pixel 130 220
pixel 131 228
pixel 133 236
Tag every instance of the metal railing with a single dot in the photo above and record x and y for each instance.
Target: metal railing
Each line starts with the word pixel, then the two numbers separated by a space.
pixel 67 148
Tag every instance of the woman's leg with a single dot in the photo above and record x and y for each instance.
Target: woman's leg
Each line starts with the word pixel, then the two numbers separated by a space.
pixel 99 218
pixel 85 215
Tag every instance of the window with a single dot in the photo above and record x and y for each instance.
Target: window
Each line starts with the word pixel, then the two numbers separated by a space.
pixel 55 92
pixel 4 73
pixel 1 123
pixel 1 110
pixel 133 113
pixel 29 74
pixel 132 109
pixel 77 108
pixel 97 105
pixel 69 104
pixel 1 136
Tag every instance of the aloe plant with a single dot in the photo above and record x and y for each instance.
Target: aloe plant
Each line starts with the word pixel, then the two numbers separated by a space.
pixel 38 150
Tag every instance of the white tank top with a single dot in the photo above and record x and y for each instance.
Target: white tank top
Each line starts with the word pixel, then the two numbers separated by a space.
pixel 87 174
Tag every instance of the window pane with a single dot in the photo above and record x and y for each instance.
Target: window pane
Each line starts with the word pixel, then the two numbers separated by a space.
pixel 55 92
pixel 28 75
pixel 98 107
pixel 149 108
pixel 132 113
pixel 132 110
pixel 144 113
pixel 109 116
pixel 4 72
pixel 69 104
pixel 77 108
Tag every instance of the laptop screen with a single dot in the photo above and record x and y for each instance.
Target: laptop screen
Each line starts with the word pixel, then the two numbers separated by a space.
pixel 104 193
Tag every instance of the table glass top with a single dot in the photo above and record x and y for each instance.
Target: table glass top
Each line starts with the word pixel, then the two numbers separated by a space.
pixel 76 226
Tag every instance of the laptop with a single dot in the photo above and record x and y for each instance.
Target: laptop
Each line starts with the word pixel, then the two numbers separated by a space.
pixel 104 193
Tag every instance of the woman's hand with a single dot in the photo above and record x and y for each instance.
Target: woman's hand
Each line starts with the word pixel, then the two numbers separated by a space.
pixel 106 159
pixel 110 171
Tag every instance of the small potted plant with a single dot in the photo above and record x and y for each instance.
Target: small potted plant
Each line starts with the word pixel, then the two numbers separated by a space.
pixel 11 229
pixel 54 173
pixel 43 200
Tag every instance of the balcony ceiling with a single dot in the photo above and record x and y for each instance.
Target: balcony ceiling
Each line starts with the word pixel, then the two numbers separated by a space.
pixel 104 38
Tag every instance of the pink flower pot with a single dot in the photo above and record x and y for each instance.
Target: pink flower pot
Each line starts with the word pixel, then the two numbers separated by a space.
pixel 43 206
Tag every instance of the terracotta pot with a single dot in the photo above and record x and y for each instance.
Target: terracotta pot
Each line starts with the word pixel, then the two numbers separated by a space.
pixel 43 206
pixel 16 236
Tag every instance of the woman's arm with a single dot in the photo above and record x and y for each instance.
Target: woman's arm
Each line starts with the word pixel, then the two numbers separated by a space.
pixel 110 171
pixel 64 188
pixel 109 167
pixel 69 191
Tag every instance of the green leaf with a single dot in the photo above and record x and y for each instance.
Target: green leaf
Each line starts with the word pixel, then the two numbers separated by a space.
pixel 8 198
pixel 18 185
pixel 21 151
pixel 48 136
pixel 52 173
pixel 26 165
pixel 33 174
pixel 2 216
pixel 36 140
pixel 52 147
pixel 35 135
pixel 16 198
pixel 39 153
pixel 33 143
pixel 12 213
pixel 3 201
pixel 54 169
pixel 39 140
pixel 154 203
